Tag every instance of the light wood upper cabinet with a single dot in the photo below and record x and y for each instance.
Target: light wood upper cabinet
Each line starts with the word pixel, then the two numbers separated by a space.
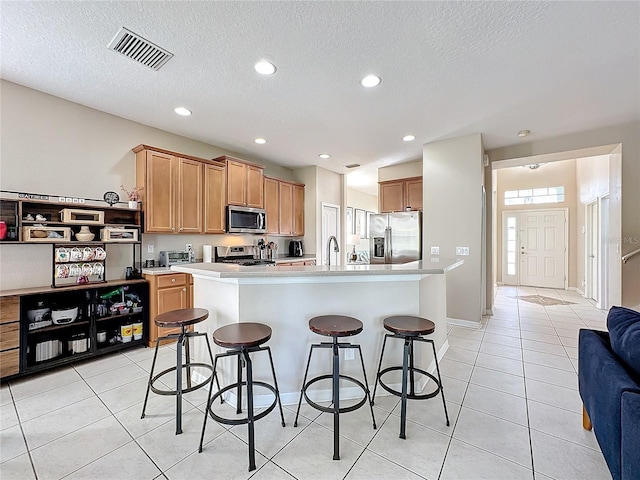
pixel 391 198
pixel 214 198
pixel 272 204
pixel 245 183
pixel 189 196
pixel 172 196
pixel 398 195
pixel 413 193
pixel 298 210
pixel 284 203
pixel 236 183
pixel 286 208
pixel 255 187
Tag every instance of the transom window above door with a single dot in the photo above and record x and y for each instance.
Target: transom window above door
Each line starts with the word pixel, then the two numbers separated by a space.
pixel 534 196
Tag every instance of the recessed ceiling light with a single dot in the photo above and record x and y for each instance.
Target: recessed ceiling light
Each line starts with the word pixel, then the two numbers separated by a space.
pixel 408 138
pixel 265 68
pixel 370 81
pixel 523 133
pixel 260 141
pixel 324 155
pixel 185 112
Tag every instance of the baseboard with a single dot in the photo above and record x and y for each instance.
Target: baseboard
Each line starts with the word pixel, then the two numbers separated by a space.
pixel 464 323
pixel 488 312
pixel 577 290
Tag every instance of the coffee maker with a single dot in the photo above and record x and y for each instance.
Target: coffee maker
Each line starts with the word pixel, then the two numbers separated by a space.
pixel 295 248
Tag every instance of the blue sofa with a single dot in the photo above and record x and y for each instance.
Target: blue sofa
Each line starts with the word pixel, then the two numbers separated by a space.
pixel 609 383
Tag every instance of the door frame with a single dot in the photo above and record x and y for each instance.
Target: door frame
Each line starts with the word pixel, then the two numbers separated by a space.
pixel 323 233
pixel 503 253
pixel 591 245
pixel 601 204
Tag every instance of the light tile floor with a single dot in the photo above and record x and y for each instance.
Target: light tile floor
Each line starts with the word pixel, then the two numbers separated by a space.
pixel 511 390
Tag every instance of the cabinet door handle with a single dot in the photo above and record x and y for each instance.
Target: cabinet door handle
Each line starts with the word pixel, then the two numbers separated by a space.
pixel 173 229
pixel 184 289
pixel 173 280
pixel 181 229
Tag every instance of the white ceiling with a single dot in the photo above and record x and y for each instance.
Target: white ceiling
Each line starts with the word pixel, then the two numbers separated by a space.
pixel 448 69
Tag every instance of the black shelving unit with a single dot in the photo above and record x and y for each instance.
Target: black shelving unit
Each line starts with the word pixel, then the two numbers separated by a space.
pixel 106 308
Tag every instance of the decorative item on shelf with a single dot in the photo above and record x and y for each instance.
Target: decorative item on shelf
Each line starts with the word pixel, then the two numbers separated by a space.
pixel 84 235
pixel 111 198
pixel 118 235
pixel 3 230
pixel 134 196
pixel 353 240
pixel 78 216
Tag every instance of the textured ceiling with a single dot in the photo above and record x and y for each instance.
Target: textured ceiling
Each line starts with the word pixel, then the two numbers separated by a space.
pixel 447 68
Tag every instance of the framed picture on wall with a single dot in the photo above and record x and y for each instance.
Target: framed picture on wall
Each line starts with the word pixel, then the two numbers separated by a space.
pixel 349 220
pixel 360 225
pixel 366 232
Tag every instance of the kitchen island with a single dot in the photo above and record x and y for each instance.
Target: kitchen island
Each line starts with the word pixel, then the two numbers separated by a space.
pixel 285 298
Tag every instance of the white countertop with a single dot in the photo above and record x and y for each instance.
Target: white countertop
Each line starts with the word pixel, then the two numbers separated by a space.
pixel 432 266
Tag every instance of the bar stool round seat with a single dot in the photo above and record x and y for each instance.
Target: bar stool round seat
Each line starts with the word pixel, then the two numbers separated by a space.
pixel 181 318
pixel 335 326
pixel 242 339
pixel 410 329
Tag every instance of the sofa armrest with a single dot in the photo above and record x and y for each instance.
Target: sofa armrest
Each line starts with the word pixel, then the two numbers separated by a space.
pixel 602 379
pixel 630 443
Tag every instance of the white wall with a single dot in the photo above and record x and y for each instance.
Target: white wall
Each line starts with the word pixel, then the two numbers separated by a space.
pixel 53 146
pixel 400 170
pixel 452 187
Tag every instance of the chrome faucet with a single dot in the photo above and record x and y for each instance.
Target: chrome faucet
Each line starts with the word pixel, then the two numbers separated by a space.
pixel 336 248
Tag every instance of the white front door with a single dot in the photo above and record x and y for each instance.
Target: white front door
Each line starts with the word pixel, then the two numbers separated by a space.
pixel 543 248
pixel 330 226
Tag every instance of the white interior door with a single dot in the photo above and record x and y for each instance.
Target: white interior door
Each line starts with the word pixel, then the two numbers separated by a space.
pixel 591 250
pixel 604 258
pixel 330 226
pixel 543 248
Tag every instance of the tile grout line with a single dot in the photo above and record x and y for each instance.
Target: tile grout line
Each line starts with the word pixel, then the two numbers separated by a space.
pixel 24 438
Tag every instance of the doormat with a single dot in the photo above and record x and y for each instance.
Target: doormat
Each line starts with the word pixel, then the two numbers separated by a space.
pixel 544 301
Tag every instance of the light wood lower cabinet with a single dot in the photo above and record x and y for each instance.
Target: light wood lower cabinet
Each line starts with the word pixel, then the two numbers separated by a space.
pixel 9 336
pixel 167 292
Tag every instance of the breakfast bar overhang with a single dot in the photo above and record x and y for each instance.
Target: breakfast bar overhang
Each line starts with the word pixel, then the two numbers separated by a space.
pixel 285 298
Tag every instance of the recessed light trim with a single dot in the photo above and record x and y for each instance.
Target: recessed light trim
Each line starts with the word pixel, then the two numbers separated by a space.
pixel 524 133
pixel 260 141
pixel 370 81
pixel 324 155
pixel 265 68
pixel 408 138
pixel 185 112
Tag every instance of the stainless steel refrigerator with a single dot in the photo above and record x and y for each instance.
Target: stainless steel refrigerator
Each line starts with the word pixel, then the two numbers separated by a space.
pixel 395 237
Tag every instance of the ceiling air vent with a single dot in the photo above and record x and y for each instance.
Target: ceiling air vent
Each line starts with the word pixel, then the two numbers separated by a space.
pixel 352 165
pixel 141 50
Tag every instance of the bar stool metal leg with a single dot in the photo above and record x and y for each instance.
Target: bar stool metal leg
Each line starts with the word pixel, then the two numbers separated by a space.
pixel 384 344
pixel 304 382
pixel 179 382
pixel 275 383
pixel 239 390
pixel 336 399
pixel 444 403
pixel 153 366
pixel 250 423
pixel 209 402
pixel 366 384
pixel 403 407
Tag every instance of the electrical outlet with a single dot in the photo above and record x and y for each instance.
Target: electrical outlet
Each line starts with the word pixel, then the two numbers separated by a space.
pixel 188 247
pixel 435 250
pixel 349 354
pixel 150 248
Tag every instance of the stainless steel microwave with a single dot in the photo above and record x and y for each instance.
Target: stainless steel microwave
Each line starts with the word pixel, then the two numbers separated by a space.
pixel 246 219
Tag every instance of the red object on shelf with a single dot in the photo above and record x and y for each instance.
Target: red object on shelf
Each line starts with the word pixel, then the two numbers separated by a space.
pixel 3 230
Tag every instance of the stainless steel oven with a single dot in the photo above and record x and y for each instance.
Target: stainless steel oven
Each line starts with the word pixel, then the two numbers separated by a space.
pixel 246 220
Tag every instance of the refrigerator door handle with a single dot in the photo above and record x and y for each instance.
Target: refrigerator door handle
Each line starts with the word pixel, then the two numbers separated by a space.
pixel 388 247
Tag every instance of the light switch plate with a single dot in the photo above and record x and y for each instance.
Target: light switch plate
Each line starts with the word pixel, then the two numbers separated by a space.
pixel 461 251
pixel 150 248
pixel 435 250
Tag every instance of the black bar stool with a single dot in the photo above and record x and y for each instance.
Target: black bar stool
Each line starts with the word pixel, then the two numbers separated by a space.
pixel 410 329
pixel 242 339
pixel 179 318
pixel 335 326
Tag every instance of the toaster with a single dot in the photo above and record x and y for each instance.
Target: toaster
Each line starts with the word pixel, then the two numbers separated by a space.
pixel 174 257
pixel 295 248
